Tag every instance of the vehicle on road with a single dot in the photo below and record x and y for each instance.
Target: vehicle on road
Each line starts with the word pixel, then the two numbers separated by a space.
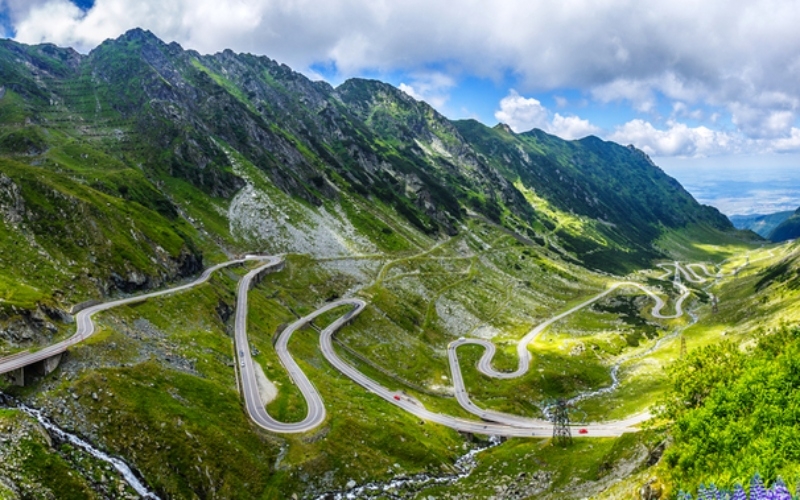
pixel 396 397
pixel 583 431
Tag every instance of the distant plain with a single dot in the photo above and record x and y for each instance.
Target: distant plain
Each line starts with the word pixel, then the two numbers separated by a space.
pixel 740 189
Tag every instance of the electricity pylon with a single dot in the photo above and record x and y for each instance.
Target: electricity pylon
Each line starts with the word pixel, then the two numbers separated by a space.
pixel 562 434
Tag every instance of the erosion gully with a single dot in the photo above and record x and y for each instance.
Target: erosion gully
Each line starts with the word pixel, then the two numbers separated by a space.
pixel 59 435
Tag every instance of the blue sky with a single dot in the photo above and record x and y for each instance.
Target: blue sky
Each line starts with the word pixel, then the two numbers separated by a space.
pixel 698 86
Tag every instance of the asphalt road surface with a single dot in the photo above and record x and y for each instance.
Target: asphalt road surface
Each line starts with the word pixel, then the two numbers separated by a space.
pixel 85 326
pixel 491 422
pixel 485 362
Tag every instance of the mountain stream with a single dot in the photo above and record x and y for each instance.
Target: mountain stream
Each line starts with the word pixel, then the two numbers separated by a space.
pixel 60 435
pixel 413 484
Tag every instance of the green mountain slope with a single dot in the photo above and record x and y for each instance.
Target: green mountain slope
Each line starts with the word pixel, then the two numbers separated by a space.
pixel 789 229
pixel 141 163
pixel 624 200
pixel 731 397
pixel 763 225
pixel 177 114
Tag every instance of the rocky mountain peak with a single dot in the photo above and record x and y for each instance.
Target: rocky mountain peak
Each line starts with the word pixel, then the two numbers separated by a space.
pixel 504 127
pixel 186 112
pixel 139 35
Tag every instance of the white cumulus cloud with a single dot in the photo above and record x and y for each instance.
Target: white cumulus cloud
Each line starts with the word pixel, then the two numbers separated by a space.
pixel 571 127
pixel 789 144
pixel 522 113
pixel 677 139
pixel 526 113
pixel 432 88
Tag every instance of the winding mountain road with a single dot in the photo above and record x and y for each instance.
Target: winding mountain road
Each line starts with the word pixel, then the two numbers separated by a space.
pixel 253 402
pixel 492 422
pixel 485 362
pixel 85 326
pixel 414 407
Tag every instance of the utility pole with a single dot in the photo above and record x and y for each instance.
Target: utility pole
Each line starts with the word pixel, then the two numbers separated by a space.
pixel 714 304
pixel 683 346
pixel 561 431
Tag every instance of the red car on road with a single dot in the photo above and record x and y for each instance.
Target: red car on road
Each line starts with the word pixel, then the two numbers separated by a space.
pixel 396 397
pixel 583 431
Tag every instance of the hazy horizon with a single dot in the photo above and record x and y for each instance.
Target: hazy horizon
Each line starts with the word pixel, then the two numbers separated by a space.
pixel 743 188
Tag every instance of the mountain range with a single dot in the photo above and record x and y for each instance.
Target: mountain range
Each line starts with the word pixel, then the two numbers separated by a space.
pixel 139 164
pixel 148 116
pixel 777 227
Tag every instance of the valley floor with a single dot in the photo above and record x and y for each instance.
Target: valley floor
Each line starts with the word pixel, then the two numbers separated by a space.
pixel 607 356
